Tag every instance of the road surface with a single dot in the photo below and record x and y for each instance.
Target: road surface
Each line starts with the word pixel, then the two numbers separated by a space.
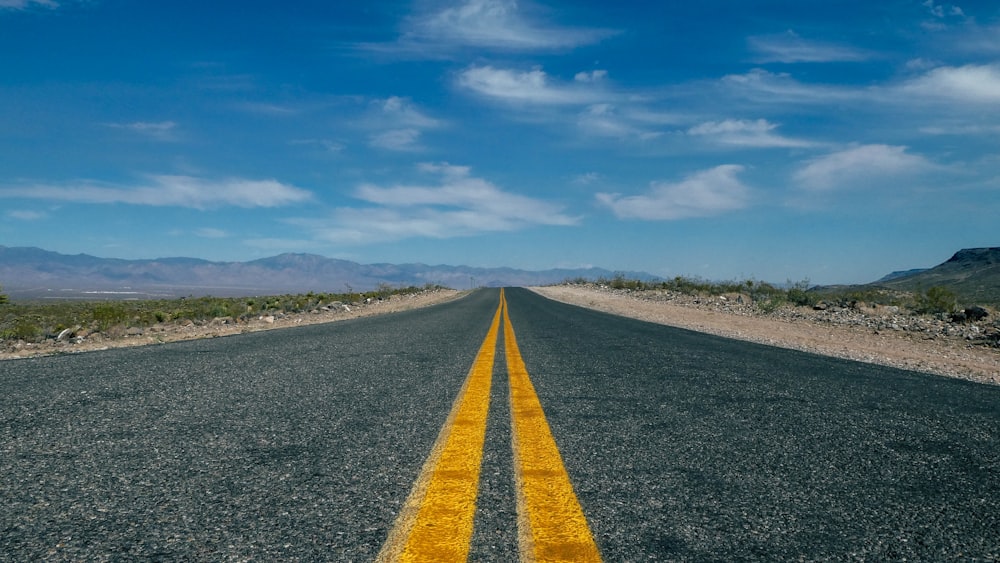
pixel 305 444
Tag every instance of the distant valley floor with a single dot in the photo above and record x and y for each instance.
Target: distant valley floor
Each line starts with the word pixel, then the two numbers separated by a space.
pixel 850 336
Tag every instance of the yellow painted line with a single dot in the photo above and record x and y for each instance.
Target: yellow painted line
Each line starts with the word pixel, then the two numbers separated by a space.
pixel 435 523
pixel 551 524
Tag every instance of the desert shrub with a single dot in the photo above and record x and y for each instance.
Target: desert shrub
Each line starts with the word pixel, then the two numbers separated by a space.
pixel 937 299
pixel 107 315
pixel 799 295
pixel 23 328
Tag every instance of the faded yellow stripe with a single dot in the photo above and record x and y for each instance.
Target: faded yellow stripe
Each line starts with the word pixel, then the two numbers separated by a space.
pixel 551 524
pixel 435 523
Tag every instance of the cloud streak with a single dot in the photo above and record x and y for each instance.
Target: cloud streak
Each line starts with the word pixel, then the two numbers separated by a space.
pixel 171 191
pixel 162 130
pixel 790 48
pixel 398 124
pixel 458 205
pixel 745 133
pixel 704 194
pixel 859 167
pixel 498 25
pixel 530 87
pixel 25 4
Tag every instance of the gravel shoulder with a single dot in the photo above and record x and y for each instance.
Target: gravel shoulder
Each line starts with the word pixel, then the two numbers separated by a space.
pixel 798 329
pixel 174 332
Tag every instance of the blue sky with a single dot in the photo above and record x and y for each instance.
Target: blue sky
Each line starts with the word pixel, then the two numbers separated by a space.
pixel 829 140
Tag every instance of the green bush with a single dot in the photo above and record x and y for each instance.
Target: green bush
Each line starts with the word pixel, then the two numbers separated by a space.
pixel 799 295
pixel 937 299
pixel 27 329
pixel 108 315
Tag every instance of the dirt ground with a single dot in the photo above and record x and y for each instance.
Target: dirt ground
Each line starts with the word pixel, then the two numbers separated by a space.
pixel 173 332
pixel 951 357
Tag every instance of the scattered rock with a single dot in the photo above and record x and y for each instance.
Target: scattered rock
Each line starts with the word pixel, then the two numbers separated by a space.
pixel 976 313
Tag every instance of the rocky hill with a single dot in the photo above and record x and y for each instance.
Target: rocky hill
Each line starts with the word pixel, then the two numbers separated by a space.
pixel 972 273
pixel 33 272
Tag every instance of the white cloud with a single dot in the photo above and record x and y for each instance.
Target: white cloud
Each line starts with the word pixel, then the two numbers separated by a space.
pixel 488 24
pixel 25 215
pixel 263 108
pixel 860 167
pixel 210 232
pixel 326 144
pixel 780 88
pixel 961 129
pixel 458 204
pixel 162 130
pixel 604 120
pixel 593 76
pixel 790 48
pixel 397 124
pixel 969 83
pixel 980 39
pixel 942 10
pixel 531 86
pixel 24 4
pixel 402 112
pixel 586 178
pixel 746 133
pixel 170 191
pixel 396 140
pixel 703 194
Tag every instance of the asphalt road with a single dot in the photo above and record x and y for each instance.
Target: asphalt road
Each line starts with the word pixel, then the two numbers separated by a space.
pixel 302 444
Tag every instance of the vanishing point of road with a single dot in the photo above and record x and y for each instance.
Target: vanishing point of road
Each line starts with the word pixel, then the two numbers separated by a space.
pixel 497 427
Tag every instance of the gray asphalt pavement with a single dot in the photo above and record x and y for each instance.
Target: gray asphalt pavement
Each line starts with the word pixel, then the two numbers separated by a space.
pixel 302 444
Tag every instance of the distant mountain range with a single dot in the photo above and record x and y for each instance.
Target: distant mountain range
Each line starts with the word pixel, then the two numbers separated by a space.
pixel 972 273
pixel 33 272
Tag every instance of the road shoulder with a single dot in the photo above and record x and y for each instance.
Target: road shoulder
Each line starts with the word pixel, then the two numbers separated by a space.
pixel 947 357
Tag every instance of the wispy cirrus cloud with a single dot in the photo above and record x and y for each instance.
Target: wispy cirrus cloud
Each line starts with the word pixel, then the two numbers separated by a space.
pixel 169 191
pixel 606 112
pixel 703 194
pixel 606 120
pixel 161 130
pixel 25 4
pixel 758 133
pixel 457 204
pixel 25 215
pixel 968 84
pixel 210 233
pixel 761 85
pixel 397 124
pixel 860 167
pixel 791 48
pixel 501 25
pixel 531 87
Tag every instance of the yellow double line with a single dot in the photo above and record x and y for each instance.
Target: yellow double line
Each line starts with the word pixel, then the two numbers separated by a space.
pixel 436 521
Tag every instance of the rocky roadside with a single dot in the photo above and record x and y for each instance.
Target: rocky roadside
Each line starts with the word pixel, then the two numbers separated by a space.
pixel 85 340
pixel 874 334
